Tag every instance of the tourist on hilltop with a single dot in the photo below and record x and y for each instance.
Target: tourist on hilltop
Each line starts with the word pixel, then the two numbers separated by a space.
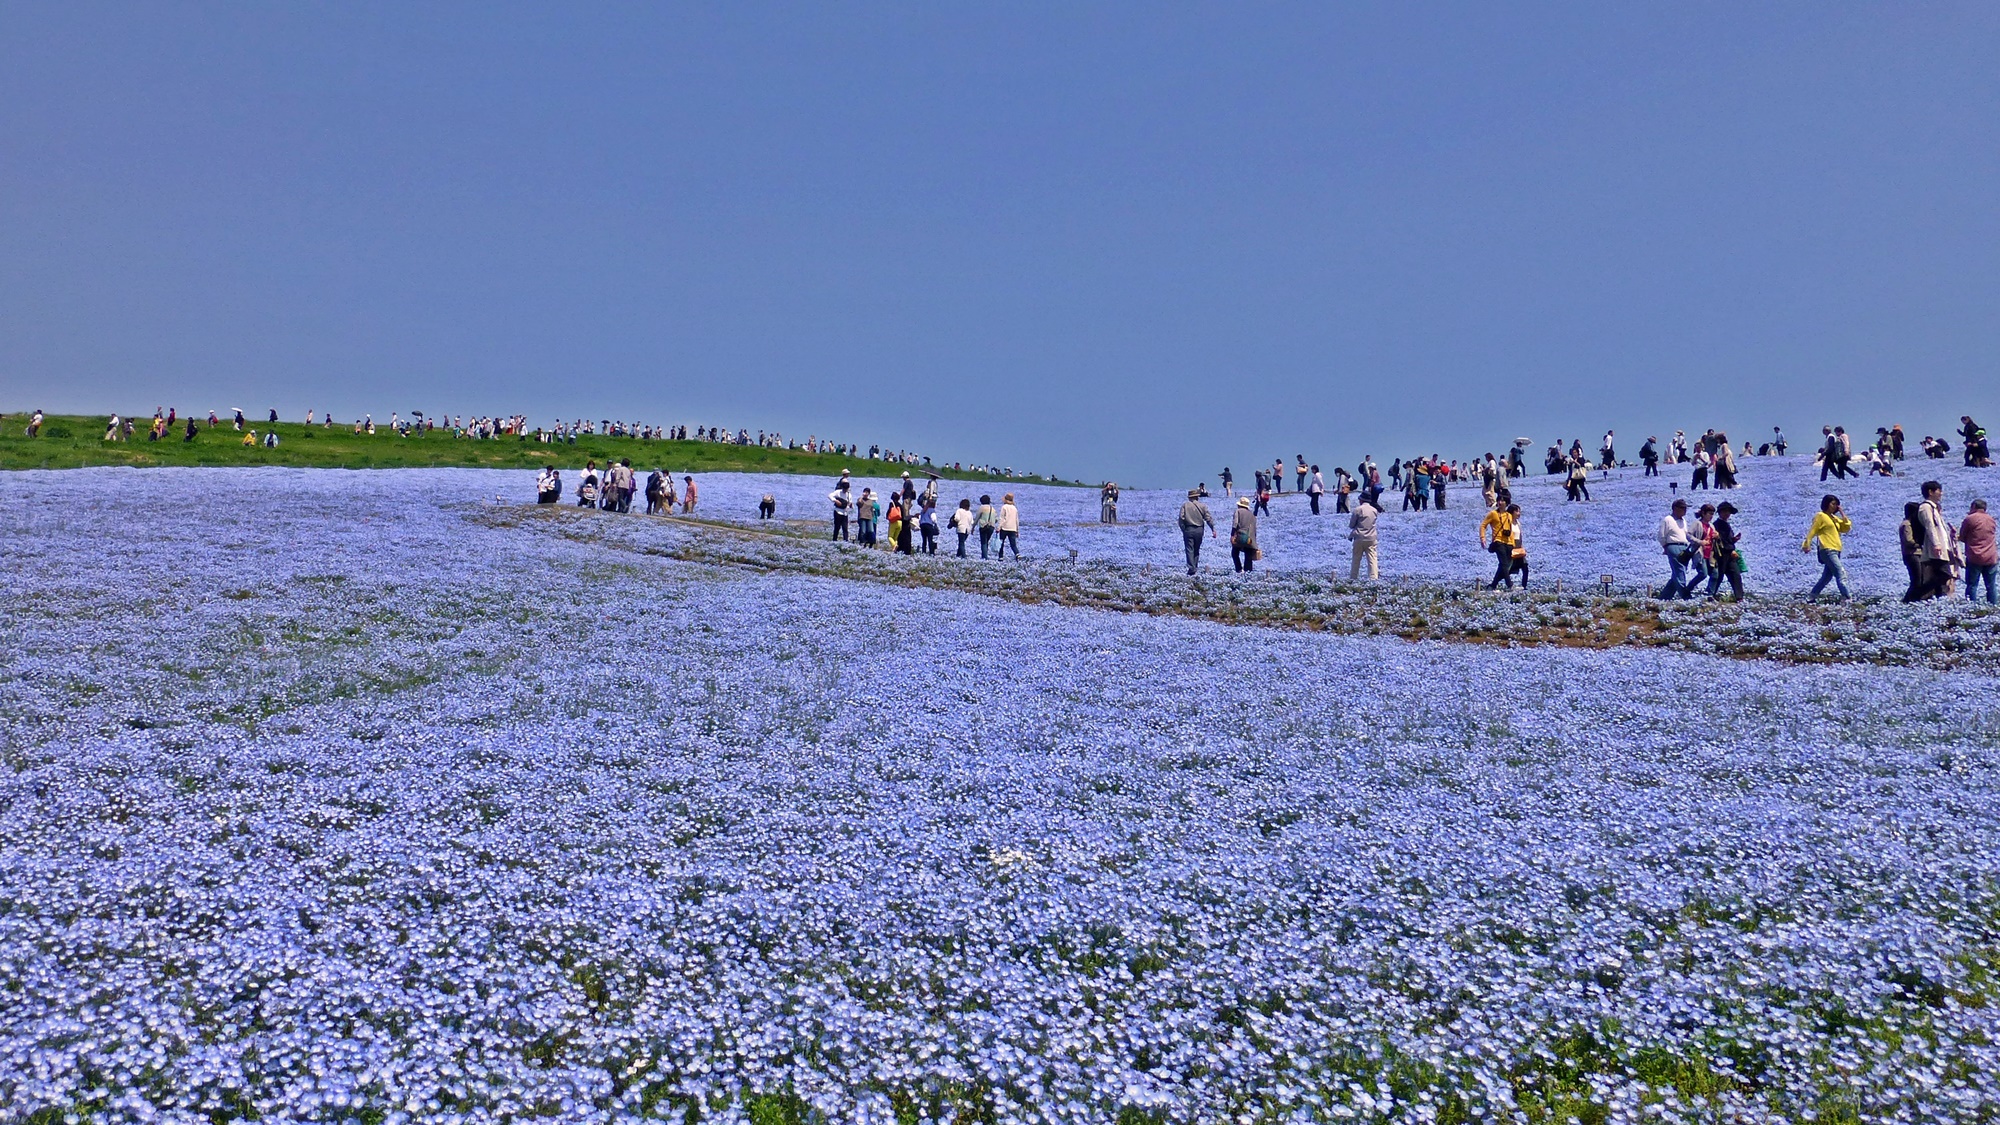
pixel 687 495
pixel 1496 534
pixel 1243 538
pixel 1301 470
pixel 238 423
pixel 1931 577
pixel 1343 487
pixel 548 485
pixel 35 424
pixel 842 504
pixel 1009 527
pixel 1727 560
pixel 270 439
pixel 1724 461
pixel 191 430
pixel 1193 517
pixel 986 520
pixel 1315 488
pixel 1828 525
pixel 1278 475
pixel 1978 455
pixel 1982 557
pixel 1607 456
pixel 1578 485
pixel 1361 537
pixel 1107 503
pixel 1649 456
pixel 1439 474
pixel 1673 537
pixel 1263 494
pixel 962 522
pixel 1228 482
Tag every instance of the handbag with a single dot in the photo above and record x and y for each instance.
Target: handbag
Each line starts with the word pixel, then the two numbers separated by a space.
pixel 1737 563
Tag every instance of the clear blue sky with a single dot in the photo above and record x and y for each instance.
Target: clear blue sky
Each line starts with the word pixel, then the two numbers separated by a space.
pixel 1137 241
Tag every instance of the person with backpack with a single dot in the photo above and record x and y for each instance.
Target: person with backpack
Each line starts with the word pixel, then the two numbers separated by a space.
pixel 1828 525
pixel 986 520
pixel 1194 516
pixel 962 522
pixel 1934 534
pixel 1243 538
pixel 1009 526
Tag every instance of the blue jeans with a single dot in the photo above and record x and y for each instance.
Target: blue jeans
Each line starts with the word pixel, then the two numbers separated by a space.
pixel 1699 573
pixel 1831 570
pixel 1677 585
pixel 1973 573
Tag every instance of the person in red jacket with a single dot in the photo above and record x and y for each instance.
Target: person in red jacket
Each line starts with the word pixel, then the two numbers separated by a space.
pixel 1982 557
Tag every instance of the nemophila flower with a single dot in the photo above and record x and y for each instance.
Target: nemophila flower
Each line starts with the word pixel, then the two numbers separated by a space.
pixel 325 801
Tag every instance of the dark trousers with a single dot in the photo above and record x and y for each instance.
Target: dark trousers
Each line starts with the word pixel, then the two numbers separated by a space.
pixel 1242 555
pixel 1315 503
pixel 1010 539
pixel 985 537
pixel 839 525
pixel 1263 504
pixel 1503 565
pixel 1192 541
pixel 962 536
pixel 1340 501
pixel 1929 581
pixel 930 539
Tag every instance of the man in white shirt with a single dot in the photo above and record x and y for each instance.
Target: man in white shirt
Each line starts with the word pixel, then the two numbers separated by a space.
pixel 1674 541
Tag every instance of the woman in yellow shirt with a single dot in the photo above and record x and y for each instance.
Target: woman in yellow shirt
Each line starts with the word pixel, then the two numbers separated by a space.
pixel 1828 525
pixel 1500 522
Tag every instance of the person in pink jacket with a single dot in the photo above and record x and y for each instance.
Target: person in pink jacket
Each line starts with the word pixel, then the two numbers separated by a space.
pixel 1982 557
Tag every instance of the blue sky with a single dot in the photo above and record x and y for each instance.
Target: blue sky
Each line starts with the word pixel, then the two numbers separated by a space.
pixel 1132 241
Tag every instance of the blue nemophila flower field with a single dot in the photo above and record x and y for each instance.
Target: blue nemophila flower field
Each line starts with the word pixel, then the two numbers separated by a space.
pixel 328 796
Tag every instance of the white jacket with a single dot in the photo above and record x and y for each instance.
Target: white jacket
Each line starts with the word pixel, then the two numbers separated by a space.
pixel 1010 518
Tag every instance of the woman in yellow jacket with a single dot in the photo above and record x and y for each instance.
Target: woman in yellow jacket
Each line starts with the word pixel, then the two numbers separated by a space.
pixel 1501 524
pixel 1828 525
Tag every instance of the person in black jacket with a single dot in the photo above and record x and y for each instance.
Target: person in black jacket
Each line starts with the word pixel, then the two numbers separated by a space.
pixel 1727 562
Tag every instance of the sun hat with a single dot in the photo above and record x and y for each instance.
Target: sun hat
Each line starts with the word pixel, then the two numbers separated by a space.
pixel 1242 501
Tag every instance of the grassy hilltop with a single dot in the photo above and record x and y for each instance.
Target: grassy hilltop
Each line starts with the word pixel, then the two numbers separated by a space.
pixel 70 441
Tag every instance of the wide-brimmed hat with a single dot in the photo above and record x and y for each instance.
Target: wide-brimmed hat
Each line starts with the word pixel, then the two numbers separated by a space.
pixel 1243 501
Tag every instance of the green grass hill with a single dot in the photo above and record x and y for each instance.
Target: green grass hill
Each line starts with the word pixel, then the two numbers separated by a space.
pixel 71 441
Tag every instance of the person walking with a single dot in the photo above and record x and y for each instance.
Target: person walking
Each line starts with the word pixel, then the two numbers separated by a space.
pixel 1278 475
pixel 1243 538
pixel 1518 557
pixel 688 497
pixel 1362 536
pixel 1726 563
pixel 1982 557
pixel 1263 494
pixel 1828 525
pixel 962 522
pixel 1673 537
pixel 1009 527
pixel 1193 517
pixel 1228 482
pixel 1934 552
pixel 1315 489
pixel 1649 456
pixel 927 525
pixel 1496 534
pixel 1701 549
pixel 986 520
